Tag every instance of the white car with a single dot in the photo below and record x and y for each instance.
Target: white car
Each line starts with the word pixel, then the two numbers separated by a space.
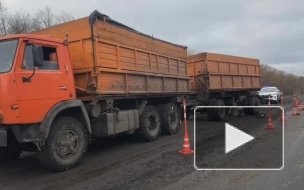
pixel 274 92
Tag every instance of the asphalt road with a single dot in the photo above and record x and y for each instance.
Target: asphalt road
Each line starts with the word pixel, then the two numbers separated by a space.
pixel 125 163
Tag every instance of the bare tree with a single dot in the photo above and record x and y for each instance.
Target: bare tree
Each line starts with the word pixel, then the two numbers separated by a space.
pixel 287 82
pixel 63 17
pixel 192 51
pixel 3 19
pixel 2 7
pixel 44 18
pixel 20 22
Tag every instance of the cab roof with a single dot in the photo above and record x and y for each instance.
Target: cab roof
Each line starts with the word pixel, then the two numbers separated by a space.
pixel 33 36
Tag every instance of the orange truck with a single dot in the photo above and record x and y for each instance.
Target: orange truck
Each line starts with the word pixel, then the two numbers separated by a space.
pixel 65 85
pixel 223 80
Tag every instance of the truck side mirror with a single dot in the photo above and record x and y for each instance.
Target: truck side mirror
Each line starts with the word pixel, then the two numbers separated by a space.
pixel 38 56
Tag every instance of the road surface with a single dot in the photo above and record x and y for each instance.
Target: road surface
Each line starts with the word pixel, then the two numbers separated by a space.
pixel 125 163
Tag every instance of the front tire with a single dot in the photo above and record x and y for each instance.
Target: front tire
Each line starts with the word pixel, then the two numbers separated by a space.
pixel 65 145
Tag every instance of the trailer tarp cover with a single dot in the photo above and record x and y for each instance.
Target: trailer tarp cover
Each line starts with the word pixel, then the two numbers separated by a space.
pixel 96 15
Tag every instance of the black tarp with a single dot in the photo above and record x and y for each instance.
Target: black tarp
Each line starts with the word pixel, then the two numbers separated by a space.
pixel 99 16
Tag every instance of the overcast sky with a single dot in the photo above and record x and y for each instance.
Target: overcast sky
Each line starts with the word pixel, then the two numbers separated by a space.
pixel 269 30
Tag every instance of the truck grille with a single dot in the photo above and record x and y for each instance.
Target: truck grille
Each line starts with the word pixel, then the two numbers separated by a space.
pixel 264 96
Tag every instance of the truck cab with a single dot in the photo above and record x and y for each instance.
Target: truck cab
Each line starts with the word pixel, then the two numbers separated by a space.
pixel 36 85
pixel 35 75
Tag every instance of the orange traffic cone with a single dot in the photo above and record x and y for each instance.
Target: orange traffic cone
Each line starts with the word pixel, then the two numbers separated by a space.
pixel 295 100
pixel 294 111
pixel 300 107
pixel 299 103
pixel 282 119
pixel 186 146
pixel 269 124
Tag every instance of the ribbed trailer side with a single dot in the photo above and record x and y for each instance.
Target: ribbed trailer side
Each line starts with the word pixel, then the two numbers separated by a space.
pixel 110 58
pixel 211 72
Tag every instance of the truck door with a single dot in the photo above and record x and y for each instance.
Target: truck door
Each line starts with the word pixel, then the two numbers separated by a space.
pixel 48 85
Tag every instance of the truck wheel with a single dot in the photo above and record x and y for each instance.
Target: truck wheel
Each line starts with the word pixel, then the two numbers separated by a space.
pixel 65 145
pixel 219 113
pixel 245 103
pixel 170 118
pixel 210 111
pixel 13 149
pixel 149 124
pixel 254 101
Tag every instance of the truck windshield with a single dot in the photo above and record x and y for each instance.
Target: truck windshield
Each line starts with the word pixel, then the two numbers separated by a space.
pixel 7 54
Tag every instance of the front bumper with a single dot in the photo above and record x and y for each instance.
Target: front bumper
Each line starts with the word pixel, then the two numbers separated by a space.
pixel 272 98
pixel 3 138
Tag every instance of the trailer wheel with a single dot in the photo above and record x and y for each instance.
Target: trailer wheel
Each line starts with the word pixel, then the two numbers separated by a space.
pixel 13 149
pixel 149 124
pixel 254 101
pixel 65 145
pixel 219 113
pixel 210 111
pixel 170 118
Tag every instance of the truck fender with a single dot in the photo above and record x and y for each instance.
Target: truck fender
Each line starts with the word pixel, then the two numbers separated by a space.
pixel 45 126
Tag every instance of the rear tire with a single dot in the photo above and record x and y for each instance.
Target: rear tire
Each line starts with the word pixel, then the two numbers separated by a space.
pixel 219 113
pixel 170 118
pixel 210 111
pixel 13 149
pixel 65 145
pixel 149 124
pixel 254 101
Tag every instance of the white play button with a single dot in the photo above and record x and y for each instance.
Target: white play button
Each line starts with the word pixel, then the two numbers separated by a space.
pixel 235 138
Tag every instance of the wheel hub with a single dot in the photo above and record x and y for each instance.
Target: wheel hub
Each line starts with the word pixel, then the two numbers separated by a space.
pixel 152 123
pixel 172 117
pixel 67 143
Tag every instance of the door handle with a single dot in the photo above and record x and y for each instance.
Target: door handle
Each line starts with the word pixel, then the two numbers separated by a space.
pixel 66 68
pixel 63 88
